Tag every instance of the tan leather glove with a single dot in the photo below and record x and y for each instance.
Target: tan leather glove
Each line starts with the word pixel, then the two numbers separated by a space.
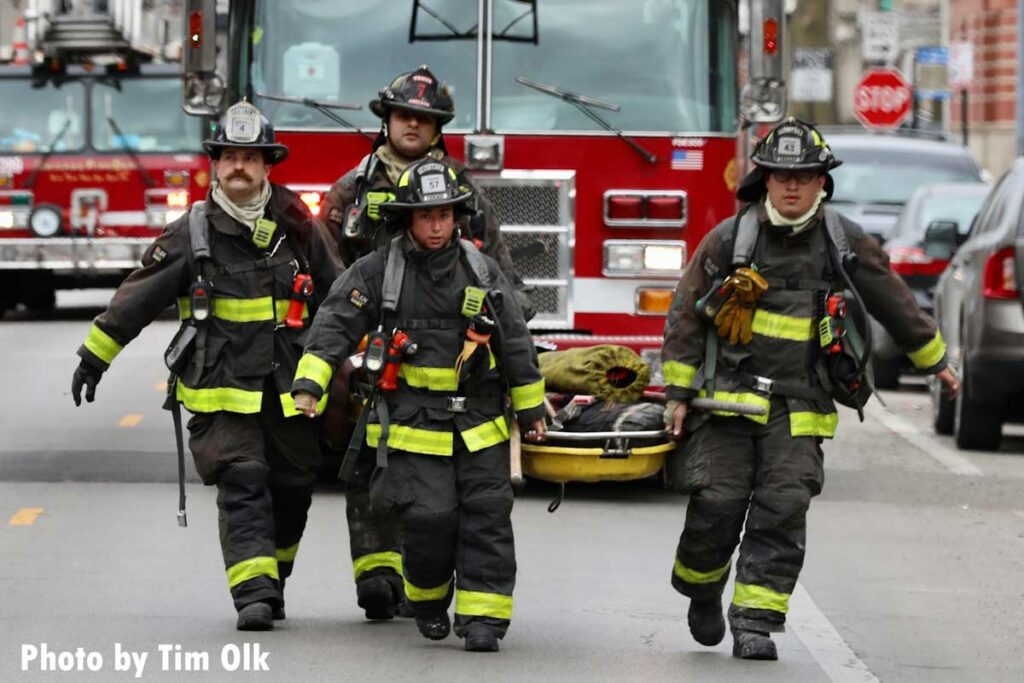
pixel 735 318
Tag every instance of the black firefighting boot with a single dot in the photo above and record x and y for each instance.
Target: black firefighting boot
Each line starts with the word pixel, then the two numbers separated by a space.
pixel 379 597
pixel 435 626
pixel 256 616
pixel 707 625
pixel 753 645
pixel 480 637
pixel 279 608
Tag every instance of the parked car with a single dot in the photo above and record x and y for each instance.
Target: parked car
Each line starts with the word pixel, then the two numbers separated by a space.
pixel 978 308
pixel 880 172
pixel 942 206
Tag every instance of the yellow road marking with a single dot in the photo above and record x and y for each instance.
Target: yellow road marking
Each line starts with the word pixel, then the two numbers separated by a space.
pixel 130 420
pixel 25 516
pixel 162 386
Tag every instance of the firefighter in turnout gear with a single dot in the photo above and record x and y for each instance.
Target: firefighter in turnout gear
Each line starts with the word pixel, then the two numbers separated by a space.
pixel 760 318
pixel 439 427
pixel 413 109
pixel 240 267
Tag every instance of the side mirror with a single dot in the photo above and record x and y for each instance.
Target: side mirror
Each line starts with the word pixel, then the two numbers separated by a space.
pixel 763 99
pixel 942 237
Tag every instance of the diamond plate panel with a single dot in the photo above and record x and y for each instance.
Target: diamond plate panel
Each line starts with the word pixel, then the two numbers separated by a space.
pixel 532 204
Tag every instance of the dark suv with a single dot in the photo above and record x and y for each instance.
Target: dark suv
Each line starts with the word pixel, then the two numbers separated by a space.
pixel 880 172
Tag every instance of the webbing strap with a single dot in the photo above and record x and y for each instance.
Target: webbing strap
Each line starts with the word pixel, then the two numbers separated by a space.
pixel 834 228
pixel 747 230
pixel 394 274
pixel 477 264
pixel 197 236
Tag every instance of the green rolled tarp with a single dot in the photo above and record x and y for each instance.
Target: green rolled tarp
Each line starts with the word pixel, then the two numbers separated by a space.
pixel 609 372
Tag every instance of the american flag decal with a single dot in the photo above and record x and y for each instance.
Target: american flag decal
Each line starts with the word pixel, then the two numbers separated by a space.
pixel 687 159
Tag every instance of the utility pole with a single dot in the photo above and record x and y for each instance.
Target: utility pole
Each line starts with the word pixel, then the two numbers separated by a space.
pixel 808 28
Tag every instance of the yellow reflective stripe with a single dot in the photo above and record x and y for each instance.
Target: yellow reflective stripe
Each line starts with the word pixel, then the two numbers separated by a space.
pixel 678 374
pixel 403 181
pixel 778 326
pixel 813 424
pixel 250 569
pixel 184 307
pixel 929 354
pixel 473 604
pixel 220 398
pixel 759 597
pixel 437 379
pixel 693 576
pixel 281 310
pixel 244 310
pixel 746 398
pixel 487 434
pixel 102 345
pixel 287 554
pixel 288 405
pixel 375 561
pixel 528 396
pixel 315 369
pixel 400 437
pixel 417 594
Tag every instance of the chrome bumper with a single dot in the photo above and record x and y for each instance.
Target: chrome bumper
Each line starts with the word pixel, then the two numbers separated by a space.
pixel 73 253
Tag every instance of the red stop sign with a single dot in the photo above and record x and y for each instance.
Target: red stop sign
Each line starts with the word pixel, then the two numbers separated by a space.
pixel 882 98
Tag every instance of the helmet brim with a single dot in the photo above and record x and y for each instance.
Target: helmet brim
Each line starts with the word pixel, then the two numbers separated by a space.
pixel 380 109
pixel 459 203
pixel 275 153
pixel 799 166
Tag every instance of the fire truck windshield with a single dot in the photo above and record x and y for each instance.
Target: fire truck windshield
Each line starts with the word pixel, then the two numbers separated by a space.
pixel 147 116
pixel 669 64
pixel 41 114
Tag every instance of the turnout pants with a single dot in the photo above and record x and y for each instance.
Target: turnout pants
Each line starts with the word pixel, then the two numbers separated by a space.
pixel 373 534
pixel 264 468
pixel 738 470
pixel 455 515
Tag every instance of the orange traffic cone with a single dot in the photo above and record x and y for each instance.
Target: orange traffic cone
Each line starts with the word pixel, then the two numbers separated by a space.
pixel 20 42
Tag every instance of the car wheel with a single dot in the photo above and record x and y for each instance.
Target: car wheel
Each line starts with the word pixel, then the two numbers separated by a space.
pixel 975 426
pixel 887 372
pixel 942 408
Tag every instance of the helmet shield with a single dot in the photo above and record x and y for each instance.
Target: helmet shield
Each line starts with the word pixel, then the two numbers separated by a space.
pixel 244 126
pixel 428 183
pixel 416 91
pixel 794 145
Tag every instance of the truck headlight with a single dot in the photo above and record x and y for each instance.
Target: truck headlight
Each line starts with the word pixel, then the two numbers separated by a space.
pixel 656 258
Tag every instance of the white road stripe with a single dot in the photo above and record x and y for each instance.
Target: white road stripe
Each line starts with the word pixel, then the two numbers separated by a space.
pixel 824 643
pixel 933 448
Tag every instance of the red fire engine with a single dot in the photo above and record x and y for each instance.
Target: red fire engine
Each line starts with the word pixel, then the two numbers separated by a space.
pixel 604 132
pixel 96 155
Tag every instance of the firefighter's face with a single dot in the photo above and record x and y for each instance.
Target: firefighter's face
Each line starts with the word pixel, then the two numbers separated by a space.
pixel 793 193
pixel 411 133
pixel 241 172
pixel 433 228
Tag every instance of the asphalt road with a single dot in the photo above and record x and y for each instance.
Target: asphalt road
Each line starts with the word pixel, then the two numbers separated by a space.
pixel 915 566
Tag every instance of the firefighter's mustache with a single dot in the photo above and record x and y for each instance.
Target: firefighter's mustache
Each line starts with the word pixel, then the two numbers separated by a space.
pixel 239 174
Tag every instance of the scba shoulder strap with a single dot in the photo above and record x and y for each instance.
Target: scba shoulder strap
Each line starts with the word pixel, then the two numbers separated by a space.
pixel 394 271
pixel 747 229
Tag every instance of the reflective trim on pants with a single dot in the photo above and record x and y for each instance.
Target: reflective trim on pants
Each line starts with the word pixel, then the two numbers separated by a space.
pixel 365 563
pixel 218 399
pixel 813 424
pixel 759 597
pixel 417 594
pixel 250 569
pixel 287 554
pixel 474 604
pixel 402 438
pixel 695 577
pixel 488 434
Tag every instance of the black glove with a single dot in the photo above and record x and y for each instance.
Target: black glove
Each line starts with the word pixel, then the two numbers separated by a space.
pixel 89 376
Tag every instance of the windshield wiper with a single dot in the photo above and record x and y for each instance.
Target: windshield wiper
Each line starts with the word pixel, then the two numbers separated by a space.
pixel 31 180
pixel 146 178
pixel 323 107
pixel 586 105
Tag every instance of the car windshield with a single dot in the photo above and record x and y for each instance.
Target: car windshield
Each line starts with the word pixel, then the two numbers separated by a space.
pixel 672 67
pixel 142 114
pixel 872 174
pixel 950 204
pixel 42 116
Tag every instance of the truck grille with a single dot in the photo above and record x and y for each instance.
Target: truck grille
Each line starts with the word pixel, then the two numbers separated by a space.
pixel 536 212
